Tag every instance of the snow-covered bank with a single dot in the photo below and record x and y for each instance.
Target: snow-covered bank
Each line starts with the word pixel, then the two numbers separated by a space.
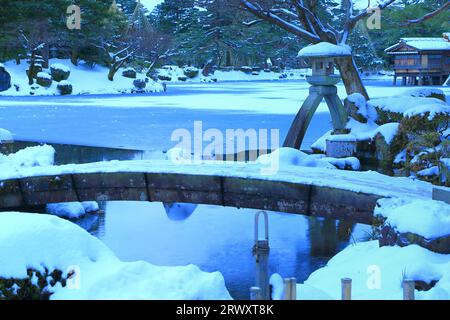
pixel 30 241
pixel 85 79
pixel 377 273
pixel 429 219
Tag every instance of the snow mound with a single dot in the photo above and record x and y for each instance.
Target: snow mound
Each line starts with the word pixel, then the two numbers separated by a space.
pixel 427 218
pixel 39 156
pixel 293 157
pixel 38 241
pixel 324 49
pixel 5 135
pixel 425 92
pixel 377 273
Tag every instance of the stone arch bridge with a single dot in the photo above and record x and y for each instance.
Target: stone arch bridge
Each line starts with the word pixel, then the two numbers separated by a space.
pixel 290 192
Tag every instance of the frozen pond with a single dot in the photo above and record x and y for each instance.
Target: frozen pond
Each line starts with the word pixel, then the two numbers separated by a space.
pixel 221 239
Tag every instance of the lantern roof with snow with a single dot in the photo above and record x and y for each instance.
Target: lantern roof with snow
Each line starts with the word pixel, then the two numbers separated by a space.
pixel 324 50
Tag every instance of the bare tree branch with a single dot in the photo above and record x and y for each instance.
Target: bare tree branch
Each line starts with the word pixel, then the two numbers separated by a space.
pixel 430 15
pixel 275 19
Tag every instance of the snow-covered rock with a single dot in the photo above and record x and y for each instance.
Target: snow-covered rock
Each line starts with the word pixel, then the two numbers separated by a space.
pixel 429 219
pixel 72 210
pixel 293 157
pixel 64 87
pixel 44 79
pixel 44 241
pixel 59 72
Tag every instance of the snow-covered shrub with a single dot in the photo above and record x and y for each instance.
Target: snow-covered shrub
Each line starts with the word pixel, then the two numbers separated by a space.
pixel 44 79
pixel 64 88
pixel 183 78
pixel 37 285
pixel 428 93
pixel 59 72
pixel 394 109
pixel 129 73
pixel 164 77
pixel 246 69
pixel 139 84
pixel 275 69
pixel 191 72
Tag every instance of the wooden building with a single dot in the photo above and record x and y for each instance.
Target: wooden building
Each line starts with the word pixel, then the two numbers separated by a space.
pixel 421 61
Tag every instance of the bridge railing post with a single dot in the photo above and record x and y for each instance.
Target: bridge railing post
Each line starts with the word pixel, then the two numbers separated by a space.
pixel 261 252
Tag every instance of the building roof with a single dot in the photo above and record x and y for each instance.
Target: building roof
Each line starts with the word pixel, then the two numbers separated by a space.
pixel 421 44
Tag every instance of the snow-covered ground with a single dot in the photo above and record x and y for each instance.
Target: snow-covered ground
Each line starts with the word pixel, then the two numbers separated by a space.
pixel 83 78
pixel 43 241
pixel 377 273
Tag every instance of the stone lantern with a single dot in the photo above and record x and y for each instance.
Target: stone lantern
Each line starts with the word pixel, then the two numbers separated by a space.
pixel 321 59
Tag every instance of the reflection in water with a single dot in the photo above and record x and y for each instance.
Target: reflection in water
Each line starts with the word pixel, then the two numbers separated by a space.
pixel 218 239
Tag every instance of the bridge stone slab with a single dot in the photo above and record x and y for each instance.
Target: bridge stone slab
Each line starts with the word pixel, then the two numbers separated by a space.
pixel 10 194
pixel 47 189
pixel 122 186
pixel 170 188
pixel 343 204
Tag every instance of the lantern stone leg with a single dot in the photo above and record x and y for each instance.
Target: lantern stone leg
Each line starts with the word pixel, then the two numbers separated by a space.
pixel 301 123
pixel 339 115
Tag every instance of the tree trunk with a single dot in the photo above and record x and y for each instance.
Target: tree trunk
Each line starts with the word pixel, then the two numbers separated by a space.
pixel 74 57
pixel 111 73
pixel 350 77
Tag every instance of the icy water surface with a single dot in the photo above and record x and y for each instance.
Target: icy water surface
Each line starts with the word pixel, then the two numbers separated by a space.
pixel 221 239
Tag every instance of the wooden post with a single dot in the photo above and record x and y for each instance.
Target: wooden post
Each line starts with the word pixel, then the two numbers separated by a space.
pixel 290 289
pixel 395 80
pixel 255 293
pixel 408 289
pixel 403 81
pixel 346 288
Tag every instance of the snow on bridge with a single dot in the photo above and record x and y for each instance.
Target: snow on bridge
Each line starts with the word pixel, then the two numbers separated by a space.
pixel 343 195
